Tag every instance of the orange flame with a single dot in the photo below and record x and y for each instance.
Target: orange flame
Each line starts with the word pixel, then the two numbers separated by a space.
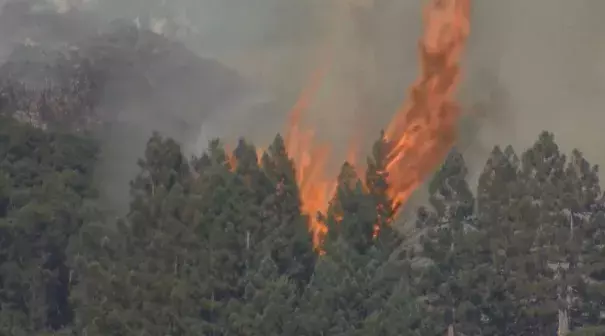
pixel 424 129
pixel 421 133
pixel 310 159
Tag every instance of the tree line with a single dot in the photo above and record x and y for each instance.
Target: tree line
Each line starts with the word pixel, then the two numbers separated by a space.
pixel 213 246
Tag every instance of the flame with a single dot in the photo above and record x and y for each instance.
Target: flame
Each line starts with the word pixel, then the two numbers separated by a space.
pixel 310 159
pixel 421 132
pixel 424 129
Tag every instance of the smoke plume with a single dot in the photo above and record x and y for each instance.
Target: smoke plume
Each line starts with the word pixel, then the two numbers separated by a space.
pixel 530 66
pixel 537 65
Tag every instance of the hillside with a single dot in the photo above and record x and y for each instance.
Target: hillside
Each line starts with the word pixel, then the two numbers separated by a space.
pixel 121 84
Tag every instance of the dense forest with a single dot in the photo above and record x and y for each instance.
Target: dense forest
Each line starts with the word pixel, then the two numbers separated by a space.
pixel 214 246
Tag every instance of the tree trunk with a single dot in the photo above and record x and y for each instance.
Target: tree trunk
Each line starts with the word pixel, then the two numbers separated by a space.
pixel 563 323
pixel 450 330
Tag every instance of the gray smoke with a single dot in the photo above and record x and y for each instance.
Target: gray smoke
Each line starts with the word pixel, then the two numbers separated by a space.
pixel 530 65
pixel 546 72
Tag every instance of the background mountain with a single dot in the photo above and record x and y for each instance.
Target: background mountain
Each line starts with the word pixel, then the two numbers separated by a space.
pixel 70 70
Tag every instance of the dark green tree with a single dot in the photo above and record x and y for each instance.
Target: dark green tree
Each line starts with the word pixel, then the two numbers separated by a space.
pixel 497 194
pixel 387 238
pixel 588 318
pixel 539 216
pixel 449 243
pixel 268 304
pixel 227 215
pixel 334 302
pixel 46 183
pixel 289 241
pixel 576 244
pixel 149 284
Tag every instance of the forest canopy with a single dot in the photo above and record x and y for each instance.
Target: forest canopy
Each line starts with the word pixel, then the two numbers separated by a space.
pixel 216 246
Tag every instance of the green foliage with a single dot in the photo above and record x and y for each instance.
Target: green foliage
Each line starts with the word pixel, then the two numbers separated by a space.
pixel 287 237
pixel 217 245
pixel 45 181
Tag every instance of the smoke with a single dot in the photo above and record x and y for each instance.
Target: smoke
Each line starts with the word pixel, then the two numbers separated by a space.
pixel 546 72
pixel 530 65
pixel 370 47
pixel 268 42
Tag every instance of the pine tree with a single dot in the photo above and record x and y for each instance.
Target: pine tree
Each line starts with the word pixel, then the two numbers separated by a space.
pixel 449 242
pixel 588 319
pixel 390 288
pixel 387 238
pixel 577 243
pixel 279 250
pixel 145 282
pixel 352 214
pixel 540 215
pixel 335 301
pixel 289 241
pixel 498 191
pixel 46 182
pixel 248 168
pixel 356 290
pixel 227 214
pixel 268 304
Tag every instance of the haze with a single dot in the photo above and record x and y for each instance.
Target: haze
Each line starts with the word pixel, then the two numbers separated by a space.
pixel 531 65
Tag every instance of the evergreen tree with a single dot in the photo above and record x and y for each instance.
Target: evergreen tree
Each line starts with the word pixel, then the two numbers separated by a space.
pixel 289 242
pixel 352 214
pixel 355 289
pixel 149 286
pixel 279 249
pixel 46 182
pixel 334 302
pixel 498 191
pixel 227 214
pixel 577 243
pixel 387 239
pixel 589 317
pixel 449 242
pixel 539 214
pixel 268 304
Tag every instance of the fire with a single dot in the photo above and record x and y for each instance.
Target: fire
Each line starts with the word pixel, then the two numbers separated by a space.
pixel 310 159
pixel 423 129
pixel 421 132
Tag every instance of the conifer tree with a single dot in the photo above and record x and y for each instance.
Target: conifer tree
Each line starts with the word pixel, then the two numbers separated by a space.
pixel 352 214
pixel 143 283
pixel 497 193
pixel 539 214
pixel 581 200
pixel 588 318
pixel 226 214
pixel 275 263
pixel 355 289
pixel 268 305
pixel 449 243
pixel 289 242
pixel 46 182
pixel 387 238
pixel 334 302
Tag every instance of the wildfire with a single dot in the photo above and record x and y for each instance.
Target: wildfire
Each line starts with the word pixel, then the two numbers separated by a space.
pixel 310 159
pixel 422 131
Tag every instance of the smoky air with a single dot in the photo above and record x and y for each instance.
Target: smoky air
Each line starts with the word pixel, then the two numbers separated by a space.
pixel 195 70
